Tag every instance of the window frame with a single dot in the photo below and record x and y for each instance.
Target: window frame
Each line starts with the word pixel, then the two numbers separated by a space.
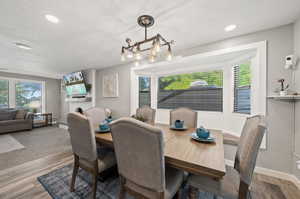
pixel 8 94
pixel 12 91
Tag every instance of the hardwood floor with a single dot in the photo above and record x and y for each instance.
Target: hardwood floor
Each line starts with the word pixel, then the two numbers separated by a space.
pixel 20 182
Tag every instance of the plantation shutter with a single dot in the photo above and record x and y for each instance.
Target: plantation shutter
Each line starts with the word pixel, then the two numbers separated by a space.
pixel 242 93
pixel 236 72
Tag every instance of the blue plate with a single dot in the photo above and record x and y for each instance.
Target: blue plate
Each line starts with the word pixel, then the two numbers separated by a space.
pixel 178 129
pixel 208 140
pixel 102 131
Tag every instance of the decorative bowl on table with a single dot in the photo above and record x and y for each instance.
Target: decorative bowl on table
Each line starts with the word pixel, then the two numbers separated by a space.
pixel 103 127
pixel 202 133
pixel 179 124
pixel 109 120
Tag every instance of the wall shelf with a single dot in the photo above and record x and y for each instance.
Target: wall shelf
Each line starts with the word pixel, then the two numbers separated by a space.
pixel 287 97
pixel 78 100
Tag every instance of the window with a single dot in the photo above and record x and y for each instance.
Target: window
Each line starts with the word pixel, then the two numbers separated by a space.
pixel 4 101
pixel 242 88
pixel 198 91
pixel 144 91
pixel 29 95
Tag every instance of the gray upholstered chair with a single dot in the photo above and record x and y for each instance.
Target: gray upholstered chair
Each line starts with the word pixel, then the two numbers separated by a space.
pixel 96 115
pixel 189 116
pixel 147 113
pixel 235 184
pixel 84 149
pixel 139 149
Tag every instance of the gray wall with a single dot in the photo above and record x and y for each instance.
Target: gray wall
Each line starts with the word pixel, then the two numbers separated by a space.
pixel 52 87
pixel 297 88
pixel 278 155
pixel 120 106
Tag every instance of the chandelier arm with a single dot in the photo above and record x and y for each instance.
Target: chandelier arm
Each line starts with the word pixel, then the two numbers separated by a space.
pixel 146 49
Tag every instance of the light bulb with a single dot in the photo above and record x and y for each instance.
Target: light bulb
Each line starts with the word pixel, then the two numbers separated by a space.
pixel 136 63
pixel 129 55
pixel 138 56
pixel 153 51
pixel 152 58
pixel 169 53
pixel 123 58
pixel 157 46
pixel 169 56
pixel 137 53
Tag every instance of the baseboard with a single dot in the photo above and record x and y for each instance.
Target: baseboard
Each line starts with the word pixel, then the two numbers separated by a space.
pixel 272 173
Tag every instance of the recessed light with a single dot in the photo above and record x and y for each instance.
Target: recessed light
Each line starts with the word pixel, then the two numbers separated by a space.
pixel 52 19
pixel 230 28
pixel 23 46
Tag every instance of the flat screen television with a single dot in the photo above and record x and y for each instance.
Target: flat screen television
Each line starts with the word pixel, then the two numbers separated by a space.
pixel 75 85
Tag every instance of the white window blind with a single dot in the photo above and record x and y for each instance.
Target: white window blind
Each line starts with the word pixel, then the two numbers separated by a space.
pixel 242 88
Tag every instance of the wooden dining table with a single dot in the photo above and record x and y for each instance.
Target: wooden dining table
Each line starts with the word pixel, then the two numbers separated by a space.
pixel 184 153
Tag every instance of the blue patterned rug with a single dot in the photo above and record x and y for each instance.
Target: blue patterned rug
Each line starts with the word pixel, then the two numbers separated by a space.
pixel 57 184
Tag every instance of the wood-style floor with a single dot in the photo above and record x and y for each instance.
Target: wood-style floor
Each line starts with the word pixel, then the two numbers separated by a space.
pixel 20 182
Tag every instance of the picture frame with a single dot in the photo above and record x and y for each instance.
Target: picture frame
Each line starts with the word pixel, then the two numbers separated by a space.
pixel 110 85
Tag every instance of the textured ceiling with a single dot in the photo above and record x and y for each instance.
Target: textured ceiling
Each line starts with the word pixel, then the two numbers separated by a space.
pixel 90 33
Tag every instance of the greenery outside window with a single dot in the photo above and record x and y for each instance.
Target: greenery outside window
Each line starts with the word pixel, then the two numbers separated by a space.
pixel 4 93
pixel 29 96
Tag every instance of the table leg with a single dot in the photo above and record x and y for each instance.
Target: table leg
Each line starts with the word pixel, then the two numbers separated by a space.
pixel 193 192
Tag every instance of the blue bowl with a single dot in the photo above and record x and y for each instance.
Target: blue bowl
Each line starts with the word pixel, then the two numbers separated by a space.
pixel 202 133
pixel 179 124
pixel 103 127
pixel 108 120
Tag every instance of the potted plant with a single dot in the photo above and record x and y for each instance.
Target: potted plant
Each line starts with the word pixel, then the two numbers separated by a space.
pixel 283 88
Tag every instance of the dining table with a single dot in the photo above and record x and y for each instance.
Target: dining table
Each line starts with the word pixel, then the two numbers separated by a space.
pixel 184 153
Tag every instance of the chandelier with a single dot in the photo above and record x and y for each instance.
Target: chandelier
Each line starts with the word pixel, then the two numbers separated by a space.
pixel 153 44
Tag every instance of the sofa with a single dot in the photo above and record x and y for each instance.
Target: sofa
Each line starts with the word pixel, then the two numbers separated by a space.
pixel 15 120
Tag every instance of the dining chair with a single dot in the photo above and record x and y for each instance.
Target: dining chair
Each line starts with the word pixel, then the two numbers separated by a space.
pixel 96 115
pixel 147 113
pixel 84 149
pixel 139 150
pixel 236 183
pixel 189 116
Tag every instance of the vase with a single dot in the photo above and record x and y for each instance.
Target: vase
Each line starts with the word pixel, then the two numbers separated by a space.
pixel 283 93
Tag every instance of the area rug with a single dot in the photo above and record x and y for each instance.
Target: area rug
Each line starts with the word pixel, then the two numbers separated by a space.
pixel 8 143
pixel 38 143
pixel 57 184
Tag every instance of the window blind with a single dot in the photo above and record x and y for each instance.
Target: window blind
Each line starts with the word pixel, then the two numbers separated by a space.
pixel 242 92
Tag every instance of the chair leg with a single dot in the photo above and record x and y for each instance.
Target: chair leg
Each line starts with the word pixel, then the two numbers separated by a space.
pixel 178 194
pixel 95 176
pixel 75 171
pixel 193 192
pixel 122 188
pixel 95 186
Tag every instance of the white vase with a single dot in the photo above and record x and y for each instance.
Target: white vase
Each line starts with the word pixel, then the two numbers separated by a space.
pixel 283 93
